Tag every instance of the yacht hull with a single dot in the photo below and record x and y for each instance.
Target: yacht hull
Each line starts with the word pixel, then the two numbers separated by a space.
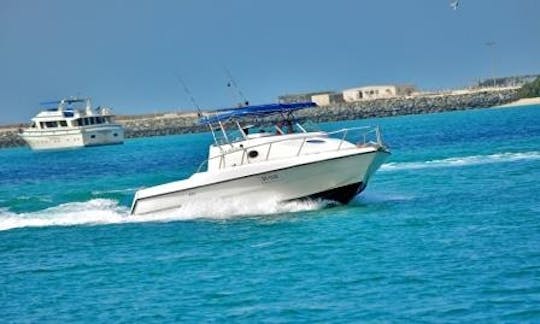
pixel 338 176
pixel 73 138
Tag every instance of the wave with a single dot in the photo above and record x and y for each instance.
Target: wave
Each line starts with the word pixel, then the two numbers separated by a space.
pixel 462 161
pixel 114 191
pixel 107 211
pixel 93 212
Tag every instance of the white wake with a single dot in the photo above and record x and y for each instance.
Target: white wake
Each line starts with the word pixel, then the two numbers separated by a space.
pixel 106 211
pixel 462 161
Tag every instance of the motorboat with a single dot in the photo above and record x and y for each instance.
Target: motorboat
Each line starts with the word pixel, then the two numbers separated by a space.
pixel 264 152
pixel 72 123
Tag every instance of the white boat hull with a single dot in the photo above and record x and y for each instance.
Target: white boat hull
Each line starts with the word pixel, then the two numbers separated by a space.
pixel 333 175
pixel 73 138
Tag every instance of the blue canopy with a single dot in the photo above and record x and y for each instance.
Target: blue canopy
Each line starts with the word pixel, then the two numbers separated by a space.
pixel 255 111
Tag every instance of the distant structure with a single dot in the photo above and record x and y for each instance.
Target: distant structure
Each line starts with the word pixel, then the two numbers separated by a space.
pixel 504 82
pixel 377 92
pixel 326 99
pixel 390 91
pixel 321 98
pixel 300 97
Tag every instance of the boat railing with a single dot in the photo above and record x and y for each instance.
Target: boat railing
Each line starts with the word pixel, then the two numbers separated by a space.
pixel 365 136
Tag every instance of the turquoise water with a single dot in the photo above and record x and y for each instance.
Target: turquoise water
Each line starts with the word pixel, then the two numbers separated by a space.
pixel 448 230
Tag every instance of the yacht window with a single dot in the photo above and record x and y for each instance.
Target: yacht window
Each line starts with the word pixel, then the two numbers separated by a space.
pixel 92 121
pixel 92 136
pixel 85 121
pixel 51 124
pixel 33 125
pixel 63 123
pixel 318 141
pixel 41 125
pixel 99 120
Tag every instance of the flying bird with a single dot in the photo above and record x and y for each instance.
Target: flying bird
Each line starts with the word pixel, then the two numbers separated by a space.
pixel 454 4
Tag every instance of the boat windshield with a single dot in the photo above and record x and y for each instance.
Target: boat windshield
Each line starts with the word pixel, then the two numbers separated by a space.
pixel 231 125
pixel 242 130
pixel 310 126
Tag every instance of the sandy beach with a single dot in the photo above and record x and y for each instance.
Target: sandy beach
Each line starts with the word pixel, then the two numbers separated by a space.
pixel 522 102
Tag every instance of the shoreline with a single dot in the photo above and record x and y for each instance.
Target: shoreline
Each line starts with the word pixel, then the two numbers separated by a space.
pixel 187 122
pixel 521 102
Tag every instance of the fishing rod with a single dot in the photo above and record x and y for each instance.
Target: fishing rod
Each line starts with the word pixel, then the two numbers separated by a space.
pixel 232 83
pixel 190 95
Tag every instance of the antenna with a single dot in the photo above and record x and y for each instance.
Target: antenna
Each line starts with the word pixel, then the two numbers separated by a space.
pixel 190 95
pixel 232 82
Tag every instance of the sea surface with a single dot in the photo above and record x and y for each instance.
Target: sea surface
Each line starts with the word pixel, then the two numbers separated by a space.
pixel 448 230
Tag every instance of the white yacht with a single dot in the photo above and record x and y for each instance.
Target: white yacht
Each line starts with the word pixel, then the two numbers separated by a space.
pixel 72 123
pixel 284 163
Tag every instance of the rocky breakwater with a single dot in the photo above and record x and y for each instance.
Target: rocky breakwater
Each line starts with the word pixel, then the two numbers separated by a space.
pixel 181 123
pixel 160 124
pixel 9 137
pixel 411 105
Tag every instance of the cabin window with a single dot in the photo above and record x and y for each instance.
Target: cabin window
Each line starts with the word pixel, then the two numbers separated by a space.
pixel 63 123
pixel 92 136
pixel 33 125
pixel 51 124
pixel 85 121
pixel 41 125
pixel 115 134
pixel 99 120
pixel 92 121
pixel 253 154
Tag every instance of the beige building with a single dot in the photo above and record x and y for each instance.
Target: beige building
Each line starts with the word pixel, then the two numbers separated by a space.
pixel 321 99
pixel 326 99
pixel 377 92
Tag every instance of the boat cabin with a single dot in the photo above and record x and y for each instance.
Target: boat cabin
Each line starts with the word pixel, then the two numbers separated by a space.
pixel 270 133
pixel 68 114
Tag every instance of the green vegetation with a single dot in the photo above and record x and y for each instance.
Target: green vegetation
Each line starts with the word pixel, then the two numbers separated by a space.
pixel 530 90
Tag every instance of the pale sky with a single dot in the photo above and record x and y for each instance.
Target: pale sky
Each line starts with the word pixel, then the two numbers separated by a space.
pixel 126 54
